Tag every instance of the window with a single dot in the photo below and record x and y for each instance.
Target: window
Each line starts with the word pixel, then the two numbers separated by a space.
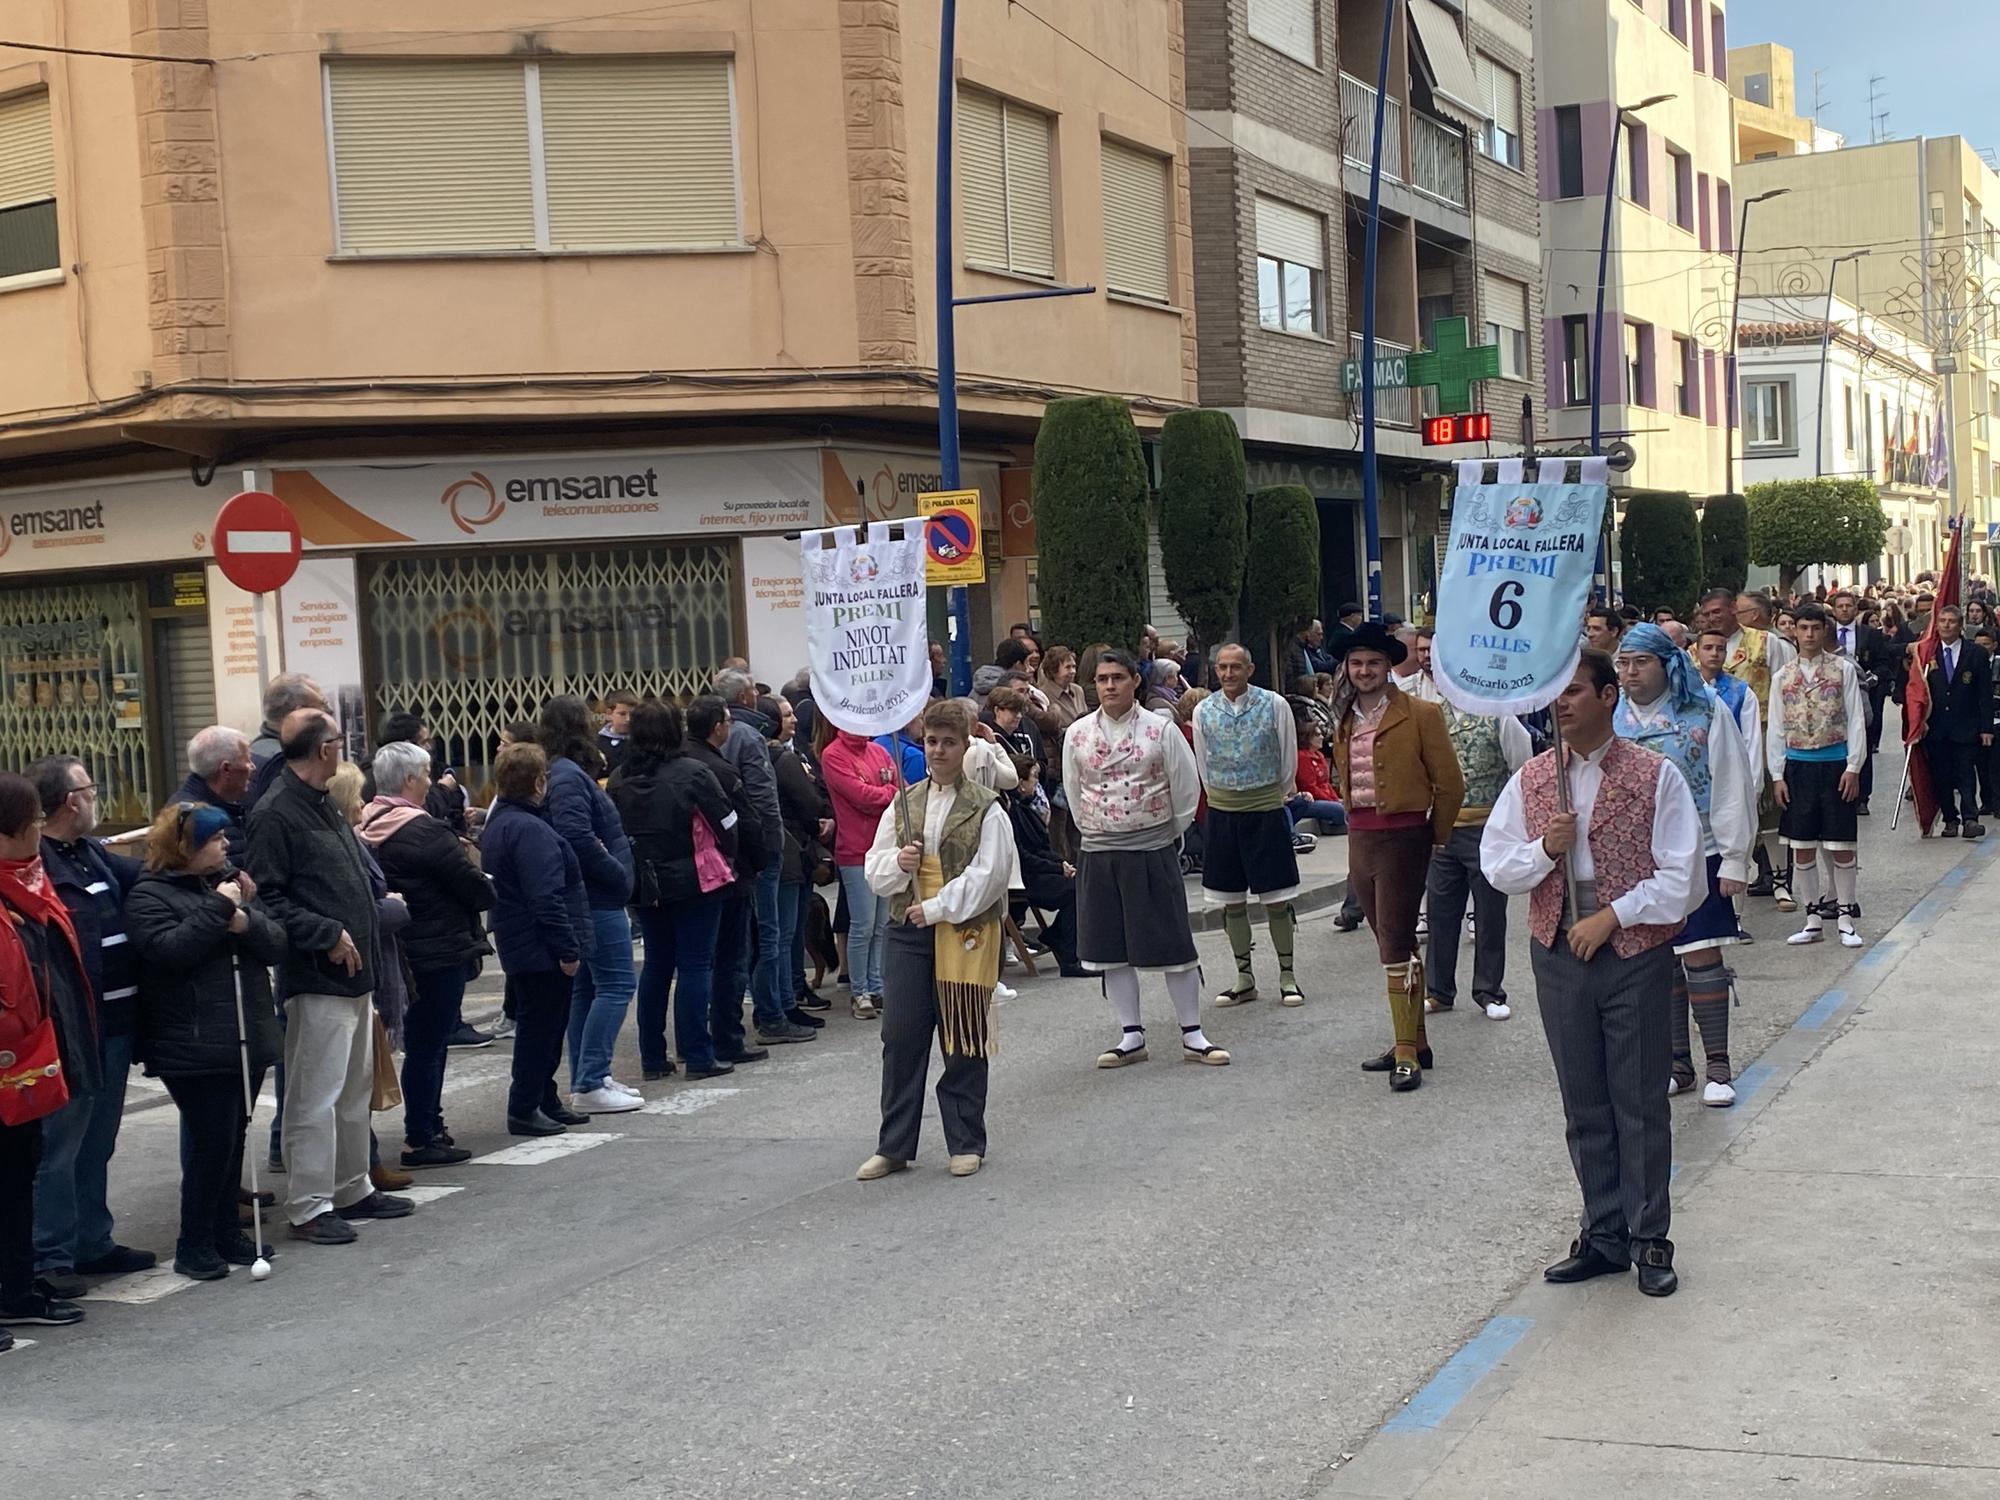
pixel 1847 415
pixel 1725 224
pixel 1638 158
pixel 1757 88
pixel 1500 90
pixel 1867 434
pixel 1718 44
pixel 1506 304
pixel 27 189
pixel 1576 360
pixel 1687 377
pixel 561 154
pixel 1006 192
pixel 1677 18
pixel 1767 411
pixel 1569 151
pixel 1683 166
pixel 1138 252
pixel 1640 385
pixel 1288 25
pixel 1291 267
pixel 1431 308
pixel 1993 397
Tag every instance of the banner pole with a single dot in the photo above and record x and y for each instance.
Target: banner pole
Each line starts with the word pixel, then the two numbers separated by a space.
pixel 1562 805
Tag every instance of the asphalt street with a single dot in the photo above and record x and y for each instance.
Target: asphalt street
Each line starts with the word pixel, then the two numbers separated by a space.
pixel 1168 1281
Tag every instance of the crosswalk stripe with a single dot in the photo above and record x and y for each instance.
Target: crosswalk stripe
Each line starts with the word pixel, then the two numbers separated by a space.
pixel 687 1102
pixel 549 1148
pixel 430 1192
pixel 140 1287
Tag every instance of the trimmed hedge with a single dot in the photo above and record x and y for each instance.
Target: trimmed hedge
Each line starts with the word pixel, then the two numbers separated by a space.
pixel 1090 523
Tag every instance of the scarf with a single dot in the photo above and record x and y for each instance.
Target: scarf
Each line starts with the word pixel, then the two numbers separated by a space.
pixel 967 964
pixel 1688 709
pixel 26 887
pixel 384 817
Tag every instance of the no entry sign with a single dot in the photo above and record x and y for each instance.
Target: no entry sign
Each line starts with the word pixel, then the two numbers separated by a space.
pixel 257 542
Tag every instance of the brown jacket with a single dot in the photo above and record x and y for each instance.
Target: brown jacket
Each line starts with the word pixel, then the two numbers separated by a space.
pixel 1416 769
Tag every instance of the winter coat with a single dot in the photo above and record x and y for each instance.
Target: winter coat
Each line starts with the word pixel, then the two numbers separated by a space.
pixel 578 810
pixel 861 780
pixel 541 910
pixel 92 882
pixel 190 966
pixel 753 853
pixel 1042 879
pixel 54 963
pixel 900 747
pixel 313 879
pixel 392 982
pixel 658 799
pixel 746 750
pixel 803 805
pixel 423 861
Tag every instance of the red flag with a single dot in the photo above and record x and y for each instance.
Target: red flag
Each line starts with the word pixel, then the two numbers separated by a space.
pixel 1917 692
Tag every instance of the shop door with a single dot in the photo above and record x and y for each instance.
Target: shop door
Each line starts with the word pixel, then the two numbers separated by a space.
pixel 187 682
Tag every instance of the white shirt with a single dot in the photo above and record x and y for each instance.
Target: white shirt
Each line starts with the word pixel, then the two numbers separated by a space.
pixel 977 887
pixel 1732 794
pixel 1514 742
pixel 1852 699
pixel 1516 864
pixel 1183 779
pixel 1288 741
pixel 1750 721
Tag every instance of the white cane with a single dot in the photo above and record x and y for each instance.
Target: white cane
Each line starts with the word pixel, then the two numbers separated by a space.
pixel 259 1268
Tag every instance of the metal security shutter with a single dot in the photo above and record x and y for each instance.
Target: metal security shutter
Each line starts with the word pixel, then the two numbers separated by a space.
pixel 1286 25
pixel 27 155
pixel 1160 611
pixel 1031 215
pixel 982 178
pixel 1500 92
pixel 187 673
pixel 1137 251
pixel 431 155
pixel 1290 234
pixel 1506 302
pixel 639 151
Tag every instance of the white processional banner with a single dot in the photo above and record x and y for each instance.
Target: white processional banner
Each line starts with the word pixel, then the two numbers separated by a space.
pixel 1515 581
pixel 865 636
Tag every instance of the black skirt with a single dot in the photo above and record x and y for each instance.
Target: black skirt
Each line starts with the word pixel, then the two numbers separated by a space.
pixel 1131 908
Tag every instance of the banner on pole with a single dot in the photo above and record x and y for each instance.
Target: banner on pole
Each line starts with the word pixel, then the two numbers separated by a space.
pixel 865 638
pixel 1514 584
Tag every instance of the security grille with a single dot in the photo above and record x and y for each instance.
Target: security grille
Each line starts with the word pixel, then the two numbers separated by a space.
pixel 474 641
pixel 72 682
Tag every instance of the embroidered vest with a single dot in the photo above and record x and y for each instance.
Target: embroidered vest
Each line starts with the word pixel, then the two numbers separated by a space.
pixel 1475 738
pixel 1813 704
pixel 1240 742
pixel 1750 664
pixel 1124 782
pixel 1730 690
pixel 1684 742
pixel 1621 840
pixel 958 840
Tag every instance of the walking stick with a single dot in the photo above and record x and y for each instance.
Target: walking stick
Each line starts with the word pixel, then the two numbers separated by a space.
pixel 259 1268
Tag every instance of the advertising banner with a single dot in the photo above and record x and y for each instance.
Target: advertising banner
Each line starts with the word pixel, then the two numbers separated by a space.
pixel 1515 581
pixel 865 636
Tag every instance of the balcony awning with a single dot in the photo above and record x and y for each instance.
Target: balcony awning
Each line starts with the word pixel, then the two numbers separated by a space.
pixel 1453 83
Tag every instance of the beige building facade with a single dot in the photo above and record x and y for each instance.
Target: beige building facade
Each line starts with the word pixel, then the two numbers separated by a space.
pixel 551 330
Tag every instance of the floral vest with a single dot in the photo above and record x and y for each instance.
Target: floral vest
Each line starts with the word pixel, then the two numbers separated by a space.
pixel 1124 781
pixel 1814 705
pixel 1240 747
pixel 1682 738
pixel 1475 739
pixel 1750 664
pixel 1621 841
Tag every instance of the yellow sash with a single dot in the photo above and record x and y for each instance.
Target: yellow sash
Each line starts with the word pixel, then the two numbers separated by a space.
pixel 967 965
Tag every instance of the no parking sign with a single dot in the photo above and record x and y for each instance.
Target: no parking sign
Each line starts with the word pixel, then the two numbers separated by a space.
pixel 952 551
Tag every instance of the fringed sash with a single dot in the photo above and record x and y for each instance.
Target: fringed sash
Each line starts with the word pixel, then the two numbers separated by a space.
pixel 967 964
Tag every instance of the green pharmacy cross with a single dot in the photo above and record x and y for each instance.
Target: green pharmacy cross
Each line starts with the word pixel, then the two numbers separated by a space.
pixel 1452 366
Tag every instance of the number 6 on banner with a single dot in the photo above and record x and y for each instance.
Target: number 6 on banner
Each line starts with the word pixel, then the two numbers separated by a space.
pixel 1505 610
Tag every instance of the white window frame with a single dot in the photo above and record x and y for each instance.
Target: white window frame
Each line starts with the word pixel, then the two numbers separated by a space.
pixel 1316 279
pixel 1783 410
pixel 1513 342
pixel 1491 136
pixel 47 275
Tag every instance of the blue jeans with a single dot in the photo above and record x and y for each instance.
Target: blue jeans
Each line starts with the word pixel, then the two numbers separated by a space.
pixel 769 979
pixel 732 973
pixel 72 1219
pixel 1329 815
pixel 598 999
pixel 680 940
pixel 428 1023
pixel 864 932
pixel 791 942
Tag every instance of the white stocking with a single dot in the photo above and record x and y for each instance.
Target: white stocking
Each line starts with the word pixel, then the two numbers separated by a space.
pixel 1805 890
pixel 1184 989
pixel 1122 986
pixel 1845 877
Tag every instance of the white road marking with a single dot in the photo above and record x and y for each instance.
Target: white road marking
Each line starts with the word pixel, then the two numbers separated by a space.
pixel 141 1286
pixel 687 1102
pixel 21 1345
pixel 426 1192
pixel 549 1148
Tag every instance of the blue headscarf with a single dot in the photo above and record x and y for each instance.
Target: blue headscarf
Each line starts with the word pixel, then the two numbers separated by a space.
pixel 1685 689
pixel 1689 707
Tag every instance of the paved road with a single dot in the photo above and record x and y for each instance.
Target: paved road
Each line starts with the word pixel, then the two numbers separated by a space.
pixel 1170 1281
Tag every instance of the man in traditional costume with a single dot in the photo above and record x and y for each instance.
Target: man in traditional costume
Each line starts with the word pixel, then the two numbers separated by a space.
pixel 1490 748
pixel 1815 742
pixel 1754 652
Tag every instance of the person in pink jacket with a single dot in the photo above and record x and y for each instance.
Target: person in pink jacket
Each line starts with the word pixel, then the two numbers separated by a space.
pixel 861 781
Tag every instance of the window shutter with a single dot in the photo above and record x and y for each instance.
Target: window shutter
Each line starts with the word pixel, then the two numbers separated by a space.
pixel 27 155
pixel 982 178
pixel 1031 220
pixel 1286 25
pixel 1137 254
pixel 1290 234
pixel 1500 90
pixel 1506 303
pixel 431 155
pixel 639 151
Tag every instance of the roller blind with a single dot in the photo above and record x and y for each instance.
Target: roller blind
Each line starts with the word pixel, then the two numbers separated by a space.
pixel 1290 234
pixel 982 178
pixel 1506 303
pixel 27 156
pixel 1137 248
pixel 1006 184
pixel 1500 89
pixel 1031 217
pixel 1286 25
pixel 639 151
pixel 1455 87
pixel 431 155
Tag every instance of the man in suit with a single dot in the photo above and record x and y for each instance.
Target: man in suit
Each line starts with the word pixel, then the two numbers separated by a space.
pixel 1862 643
pixel 1961 684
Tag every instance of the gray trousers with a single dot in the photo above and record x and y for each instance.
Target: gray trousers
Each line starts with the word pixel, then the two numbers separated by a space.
pixel 909 1021
pixel 1454 876
pixel 1608 1023
pixel 329 1080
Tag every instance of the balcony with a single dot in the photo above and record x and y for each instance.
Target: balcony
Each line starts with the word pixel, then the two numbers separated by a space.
pixel 1908 471
pixel 1392 408
pixel 1437 159
pixel 1357 127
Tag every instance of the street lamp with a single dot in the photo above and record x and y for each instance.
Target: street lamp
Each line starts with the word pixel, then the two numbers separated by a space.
pixel 1729 357
pixel 1825 344
pixel 1597 344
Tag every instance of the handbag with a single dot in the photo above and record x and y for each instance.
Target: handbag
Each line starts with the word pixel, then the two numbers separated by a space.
pixel 711 868
pixel 387 1090
pixel 32 1083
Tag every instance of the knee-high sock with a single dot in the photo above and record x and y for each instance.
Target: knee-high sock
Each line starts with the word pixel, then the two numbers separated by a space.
pixel 1805 890
pixel 1845 878
pixel 1184 989
pixel 1121 987
pixel 1683 1044
pixel 1280 917
pixel 1236 922
pixel 1405 1012
pixel 1414 989
pixel 1708 993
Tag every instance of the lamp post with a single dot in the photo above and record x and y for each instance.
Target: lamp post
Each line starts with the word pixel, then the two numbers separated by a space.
pixel 1371 487
pixel 1597 338
pixel 1825 346
pixel 1729 356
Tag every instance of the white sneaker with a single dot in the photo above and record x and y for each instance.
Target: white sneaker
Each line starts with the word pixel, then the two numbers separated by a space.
pixel 1718 1095
pixel 604 1101
pixel 1498 1012
pixel 1782 894
pixel 1005 992
pixel 623 1088
pixel 1808 935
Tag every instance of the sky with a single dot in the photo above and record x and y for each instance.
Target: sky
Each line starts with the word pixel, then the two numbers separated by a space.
pixel 1936 59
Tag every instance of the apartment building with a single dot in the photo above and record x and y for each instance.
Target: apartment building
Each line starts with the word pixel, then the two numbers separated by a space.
pixel 1282 94
pixel 1650 79
pixel 550 323
pixel 1764 105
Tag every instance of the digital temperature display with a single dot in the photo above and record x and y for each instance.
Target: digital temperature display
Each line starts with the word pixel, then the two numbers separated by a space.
pixel 1470 427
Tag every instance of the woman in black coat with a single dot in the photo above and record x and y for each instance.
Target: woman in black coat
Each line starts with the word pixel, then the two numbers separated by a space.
pixel 807 815
pixel 196 941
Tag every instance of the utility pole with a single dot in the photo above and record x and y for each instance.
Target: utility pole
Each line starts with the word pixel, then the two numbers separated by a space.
pixel 1371 484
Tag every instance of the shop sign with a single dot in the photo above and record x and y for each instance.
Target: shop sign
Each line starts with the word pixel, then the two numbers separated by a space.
pixel 881 485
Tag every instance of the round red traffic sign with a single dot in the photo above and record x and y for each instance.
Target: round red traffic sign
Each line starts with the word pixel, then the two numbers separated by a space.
pixel 257 542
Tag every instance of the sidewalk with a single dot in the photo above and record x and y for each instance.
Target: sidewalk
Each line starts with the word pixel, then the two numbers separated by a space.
pixel 1836 1237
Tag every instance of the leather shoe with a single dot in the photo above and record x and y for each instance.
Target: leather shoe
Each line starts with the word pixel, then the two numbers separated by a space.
pixel 1583 1262
pixel 1950 831
pixel 1387 1061
pixel 389 1179
pixel 534 1124
pixel 1975 830
pixel 1405 1077
pixel 1657 1277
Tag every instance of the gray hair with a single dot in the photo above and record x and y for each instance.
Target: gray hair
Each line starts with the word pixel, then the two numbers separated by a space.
pixel 288 693
pixel 213 747
pixel 730 685
pixel 395 763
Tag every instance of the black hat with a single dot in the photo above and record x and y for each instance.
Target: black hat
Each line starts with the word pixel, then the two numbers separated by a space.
pixel 1373 635
pixel 1348 609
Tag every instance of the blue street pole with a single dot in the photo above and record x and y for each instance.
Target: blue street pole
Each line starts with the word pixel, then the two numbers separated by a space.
pixel 947 333
pixel 1371 484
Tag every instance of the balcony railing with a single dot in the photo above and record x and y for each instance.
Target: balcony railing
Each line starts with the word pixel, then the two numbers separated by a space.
pixel 1357 127
pixel 1910 470
pixel 1437 158
pixel 1392 408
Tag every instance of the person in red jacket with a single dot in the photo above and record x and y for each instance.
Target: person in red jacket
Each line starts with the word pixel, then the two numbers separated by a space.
pixel 861 782
pixel 1316 798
